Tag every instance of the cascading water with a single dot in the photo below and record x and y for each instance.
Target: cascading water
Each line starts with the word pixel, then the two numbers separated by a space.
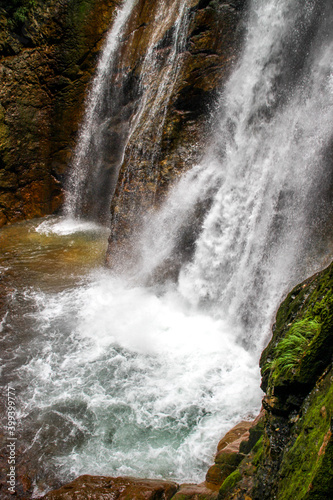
pixel 111 124
pixel 156 95
pixel 270 157
pixel 92 180
pixel 120 378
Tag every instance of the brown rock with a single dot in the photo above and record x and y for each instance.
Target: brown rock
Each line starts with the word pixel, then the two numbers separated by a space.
pixel 217 473
pixel 119 488
pixel 230 455
pixel 195 492
pixel 170 139
pixel 236 435
pixel 45 65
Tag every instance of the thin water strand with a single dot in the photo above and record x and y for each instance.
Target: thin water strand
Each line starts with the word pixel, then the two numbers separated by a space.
pixel 91 131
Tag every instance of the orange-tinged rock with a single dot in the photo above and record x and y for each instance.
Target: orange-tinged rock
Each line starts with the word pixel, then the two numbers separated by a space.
pixel 217 473
pixel 236 435
pixel 195 492
pixel 110 488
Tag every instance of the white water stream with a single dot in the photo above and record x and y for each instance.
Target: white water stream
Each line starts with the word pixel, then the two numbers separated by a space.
pixel 88 166
pixel 117 378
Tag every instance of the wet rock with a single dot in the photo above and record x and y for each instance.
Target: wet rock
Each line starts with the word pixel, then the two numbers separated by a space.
pixel 108 488
pixel 195 492
pixel 217 473
pixel 48 53
pixel 297 426
pixel 228 455
pixel 169 139
pixel 239 431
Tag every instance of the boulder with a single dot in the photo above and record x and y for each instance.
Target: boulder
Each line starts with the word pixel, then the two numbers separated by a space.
pixel 110 488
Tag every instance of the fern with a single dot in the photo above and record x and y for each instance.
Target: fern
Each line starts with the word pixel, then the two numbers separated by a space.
pixel 292 347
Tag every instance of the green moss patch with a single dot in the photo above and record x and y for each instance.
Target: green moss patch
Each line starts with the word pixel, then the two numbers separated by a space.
pixel 291 348
pixel 306 469
pixel 229 483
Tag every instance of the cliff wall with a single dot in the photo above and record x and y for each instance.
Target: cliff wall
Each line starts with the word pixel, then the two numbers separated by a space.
pixel 48 51
pixel 293 458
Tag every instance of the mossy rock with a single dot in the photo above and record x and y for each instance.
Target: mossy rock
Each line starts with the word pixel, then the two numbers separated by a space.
pixel 229 484
pixel 306 470
pixel 322 484
pixel 217 473
pixel 312 302
pixel 232 459
pixel 255 435
pixel 258 451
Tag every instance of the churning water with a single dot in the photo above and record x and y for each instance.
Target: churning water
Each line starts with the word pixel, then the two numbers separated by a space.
pixel 112 378
pixel 115 377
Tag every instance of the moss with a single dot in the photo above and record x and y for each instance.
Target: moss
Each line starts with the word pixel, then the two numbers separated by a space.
pixel 306 468
pixel 295 462
pixel 255 435
pixel 233 459
pixel 322 485
pixel 19 11
pixel 258 450
pixel 229 483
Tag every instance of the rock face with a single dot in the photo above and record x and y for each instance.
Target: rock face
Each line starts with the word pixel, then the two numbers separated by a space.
pixel 188 52
pixel 48 51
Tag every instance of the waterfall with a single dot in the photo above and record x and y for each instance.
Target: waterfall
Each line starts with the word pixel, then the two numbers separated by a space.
pixel 140 373
pixel 270 157
pixel 102 142
pixel 91 180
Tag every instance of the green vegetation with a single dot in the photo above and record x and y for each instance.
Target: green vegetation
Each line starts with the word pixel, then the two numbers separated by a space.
pixel 19 10
pixel 302 343
pixel 290 350
pixel 307 465
pixel 297 378
pixel 258 450
pixel 230 483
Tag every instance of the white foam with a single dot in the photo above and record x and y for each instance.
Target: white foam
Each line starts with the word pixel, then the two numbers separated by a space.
pixel 64 226
pixel 159 376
